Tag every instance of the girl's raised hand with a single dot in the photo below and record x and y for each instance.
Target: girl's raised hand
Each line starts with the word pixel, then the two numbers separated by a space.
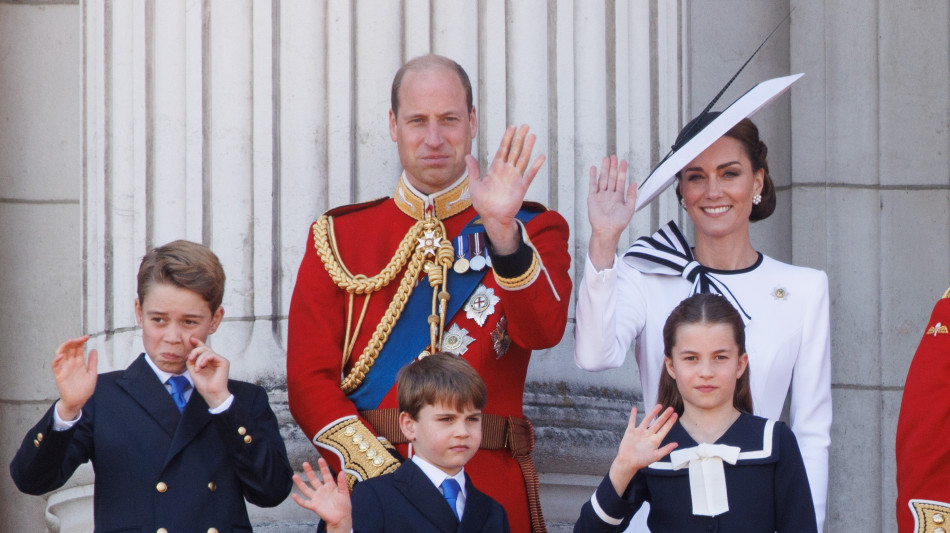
pixel 640 445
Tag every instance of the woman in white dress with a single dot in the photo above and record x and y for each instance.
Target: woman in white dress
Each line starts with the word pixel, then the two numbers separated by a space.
pixel 785 307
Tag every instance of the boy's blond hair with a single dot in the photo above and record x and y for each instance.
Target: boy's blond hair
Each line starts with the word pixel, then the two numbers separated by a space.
pixel 439 378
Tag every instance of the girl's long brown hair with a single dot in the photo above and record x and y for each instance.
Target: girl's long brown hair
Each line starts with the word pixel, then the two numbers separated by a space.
pixel 710 309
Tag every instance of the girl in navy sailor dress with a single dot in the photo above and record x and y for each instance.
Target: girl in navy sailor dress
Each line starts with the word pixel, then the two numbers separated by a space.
pixel 705 463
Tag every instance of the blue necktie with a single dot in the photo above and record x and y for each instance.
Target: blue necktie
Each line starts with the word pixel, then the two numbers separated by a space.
pixel 450 490
pixel 179 385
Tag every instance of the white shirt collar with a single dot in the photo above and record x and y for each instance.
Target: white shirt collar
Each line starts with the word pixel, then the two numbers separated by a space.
pixel 163 376
pixel 436 475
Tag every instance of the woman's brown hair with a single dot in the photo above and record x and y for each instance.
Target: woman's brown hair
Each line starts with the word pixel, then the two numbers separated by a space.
pixel 709 309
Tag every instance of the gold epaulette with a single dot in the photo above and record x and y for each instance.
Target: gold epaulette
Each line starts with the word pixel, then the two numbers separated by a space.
pixel 361 453
pixel 930 516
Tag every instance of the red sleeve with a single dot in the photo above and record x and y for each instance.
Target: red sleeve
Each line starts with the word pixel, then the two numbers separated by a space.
pixel 316 324
pixel 537 309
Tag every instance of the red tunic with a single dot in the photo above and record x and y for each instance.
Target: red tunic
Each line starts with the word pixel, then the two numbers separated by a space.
pixel 923 451
pixel 367 237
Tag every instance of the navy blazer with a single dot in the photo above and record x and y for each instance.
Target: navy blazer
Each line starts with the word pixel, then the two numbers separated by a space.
pixel 406 500
pixel 156 467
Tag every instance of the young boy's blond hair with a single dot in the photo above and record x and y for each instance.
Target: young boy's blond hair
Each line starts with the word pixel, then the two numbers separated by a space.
pixel 439 378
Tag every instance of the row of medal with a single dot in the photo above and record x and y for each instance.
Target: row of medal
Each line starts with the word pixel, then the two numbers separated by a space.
pixel 471 252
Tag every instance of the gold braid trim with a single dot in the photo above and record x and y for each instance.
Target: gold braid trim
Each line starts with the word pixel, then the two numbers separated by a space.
pixel 407 252
pixel 361 453
pixel 930 516
pixel 324 242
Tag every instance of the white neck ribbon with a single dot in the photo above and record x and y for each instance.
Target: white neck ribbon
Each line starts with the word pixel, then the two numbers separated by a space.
pixel 707 480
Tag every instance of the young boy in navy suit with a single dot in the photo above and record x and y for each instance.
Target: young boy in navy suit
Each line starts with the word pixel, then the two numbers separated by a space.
pixel 440 412
pixel 175 444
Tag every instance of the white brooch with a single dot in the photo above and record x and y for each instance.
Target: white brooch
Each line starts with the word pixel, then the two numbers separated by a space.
pixel 780 293
pixel 481 304
pixel 456 340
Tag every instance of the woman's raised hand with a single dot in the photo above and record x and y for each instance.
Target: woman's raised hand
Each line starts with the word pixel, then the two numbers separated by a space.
pixel 610 206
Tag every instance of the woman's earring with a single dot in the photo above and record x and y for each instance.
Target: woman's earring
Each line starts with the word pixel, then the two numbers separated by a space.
pixel 683 202
pixel 757 199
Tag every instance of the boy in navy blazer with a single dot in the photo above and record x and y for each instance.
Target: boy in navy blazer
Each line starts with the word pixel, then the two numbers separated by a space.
pixel 165 458
pixel 441 398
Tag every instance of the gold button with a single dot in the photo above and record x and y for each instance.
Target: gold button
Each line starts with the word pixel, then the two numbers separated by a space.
pixel 349 431
pixel 378 461
pixel 242 430
pixel 39 437
pixel 212 487
pixel 247 439
pixel 371 454
pixel 357 439
pixel 940 530
pixel 36 443
pixel 161 487
pixel 364 446
pixel 162 530
pixel 212 530
pixel 938 518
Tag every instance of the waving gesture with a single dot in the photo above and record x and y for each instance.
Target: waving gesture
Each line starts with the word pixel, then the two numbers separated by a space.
pixel 610 206
pixel 640 445
pixel 75 379
pixel 497 196
pixel 329 499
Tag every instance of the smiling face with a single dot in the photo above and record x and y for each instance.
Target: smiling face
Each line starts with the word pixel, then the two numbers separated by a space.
pixel 170 317
pixel 706 363
pixel 717 188
pixel 434 128
pixel 444 435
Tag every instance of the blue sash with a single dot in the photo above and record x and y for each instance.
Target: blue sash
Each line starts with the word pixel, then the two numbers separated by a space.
pixel 410 335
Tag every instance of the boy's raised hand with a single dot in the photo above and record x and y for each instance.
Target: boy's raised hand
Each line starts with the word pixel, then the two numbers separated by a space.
pixel 75 379
pixel 329 499
pixel 209 372
pixel 640 445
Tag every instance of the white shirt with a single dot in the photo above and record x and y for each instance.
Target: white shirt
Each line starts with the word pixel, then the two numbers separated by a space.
pixel 437 476
pixel 787 339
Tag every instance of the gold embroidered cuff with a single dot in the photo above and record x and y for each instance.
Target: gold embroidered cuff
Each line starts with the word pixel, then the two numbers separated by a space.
pixel 523 280
pixel 363 455
pixel 930 516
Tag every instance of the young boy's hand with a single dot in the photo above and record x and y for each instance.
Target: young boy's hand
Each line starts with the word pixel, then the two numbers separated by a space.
pixel 640 445
pixel 329 499
pixel 75 379
pixel 209 372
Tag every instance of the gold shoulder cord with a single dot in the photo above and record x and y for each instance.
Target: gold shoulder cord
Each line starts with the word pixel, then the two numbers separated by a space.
pixel 408 251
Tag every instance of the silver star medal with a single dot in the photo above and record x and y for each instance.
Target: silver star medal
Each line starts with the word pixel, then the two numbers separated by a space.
pixel 429 243
pixel 456 340
pixel 481 304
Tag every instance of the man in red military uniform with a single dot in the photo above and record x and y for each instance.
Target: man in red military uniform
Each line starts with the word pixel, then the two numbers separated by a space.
pixel 923 451
pixel 454 261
